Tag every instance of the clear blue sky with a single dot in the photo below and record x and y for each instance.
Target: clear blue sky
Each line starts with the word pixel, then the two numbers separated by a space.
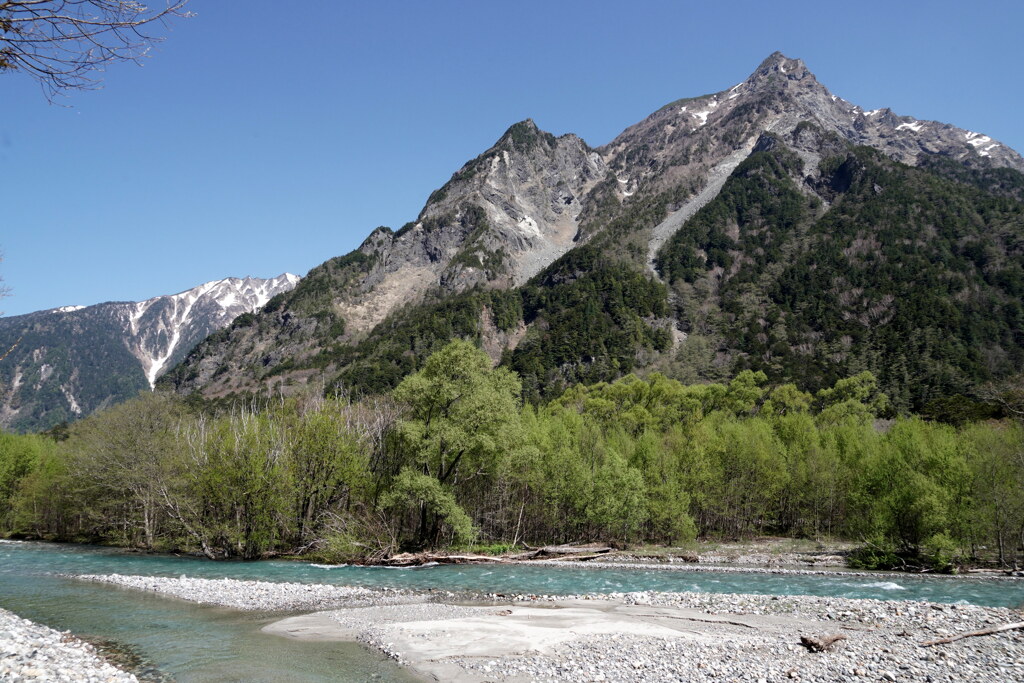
pixel 264 137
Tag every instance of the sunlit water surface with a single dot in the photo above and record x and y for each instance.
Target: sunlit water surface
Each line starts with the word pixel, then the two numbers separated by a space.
pixel 197 643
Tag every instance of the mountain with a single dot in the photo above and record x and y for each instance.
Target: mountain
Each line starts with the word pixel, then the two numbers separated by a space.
pixel 68 362
pixel 771 226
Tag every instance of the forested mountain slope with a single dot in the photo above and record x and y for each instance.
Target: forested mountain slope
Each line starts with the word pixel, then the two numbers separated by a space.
pixel 771 226
pixel 68 362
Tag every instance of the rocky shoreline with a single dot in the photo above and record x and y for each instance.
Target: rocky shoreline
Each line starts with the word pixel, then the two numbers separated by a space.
pixel 616 562
pixel 33 652
pixel 644 636
pixel 264 596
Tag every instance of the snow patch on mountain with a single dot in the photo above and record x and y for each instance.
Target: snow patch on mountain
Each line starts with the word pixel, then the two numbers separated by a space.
pixel 72 402
pixel 163 329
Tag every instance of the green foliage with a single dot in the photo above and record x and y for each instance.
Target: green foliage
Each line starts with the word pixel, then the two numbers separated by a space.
pixel 959 410
pixel 453 459
pixel 913 274
pixel 19 455
pixel 411 490
pixel 589 318
pixel 317 290
pixel 401 343
pixel 462 423
pixel 327 465
pixel 241 485
pixel 760 203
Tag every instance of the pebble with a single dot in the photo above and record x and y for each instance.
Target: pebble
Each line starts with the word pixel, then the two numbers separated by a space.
pixel 257 595
pixel 883 637
pixel 883 643
pixel 31 651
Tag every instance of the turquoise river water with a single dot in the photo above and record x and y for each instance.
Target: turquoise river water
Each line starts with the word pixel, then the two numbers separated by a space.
pixel 194 643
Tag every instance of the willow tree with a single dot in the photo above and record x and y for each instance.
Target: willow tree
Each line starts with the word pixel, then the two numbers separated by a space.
pixel 122 460
pixel 462 425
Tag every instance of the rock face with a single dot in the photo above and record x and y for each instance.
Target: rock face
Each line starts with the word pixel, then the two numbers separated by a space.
pixel 692 135
pixel 561 227
pixel 69 361
pixel 702 140
pixel 501 218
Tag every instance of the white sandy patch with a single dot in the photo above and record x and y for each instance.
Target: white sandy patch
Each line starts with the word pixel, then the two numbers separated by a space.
pixel 528 226
pixel 72 402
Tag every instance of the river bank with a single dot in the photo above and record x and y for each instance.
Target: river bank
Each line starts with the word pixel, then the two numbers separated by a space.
pixel 759 555
pixel 639 636
pixel 31 651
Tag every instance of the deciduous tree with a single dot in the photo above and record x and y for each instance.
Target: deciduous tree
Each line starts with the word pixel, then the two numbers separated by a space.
pixel 63 44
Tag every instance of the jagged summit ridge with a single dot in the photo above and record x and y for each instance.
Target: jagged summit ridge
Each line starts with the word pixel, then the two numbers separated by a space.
pixel 500 218
pixel 522 208
pixel 514 209
pixel 698 133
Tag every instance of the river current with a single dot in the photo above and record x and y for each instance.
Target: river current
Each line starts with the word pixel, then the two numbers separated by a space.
pixel 195 643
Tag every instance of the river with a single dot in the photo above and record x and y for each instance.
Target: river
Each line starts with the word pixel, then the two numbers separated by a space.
pixel 195 643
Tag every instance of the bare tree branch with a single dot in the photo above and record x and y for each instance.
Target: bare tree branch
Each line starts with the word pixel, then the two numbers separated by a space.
pixel 63 44
pixel 973 634
pixel 4 291
pixel 1008 394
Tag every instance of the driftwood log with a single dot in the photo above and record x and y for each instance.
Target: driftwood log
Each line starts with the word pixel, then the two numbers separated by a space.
pixel 821 643
pixel 972 634
pixel 575 552
pixel 558 550
pixel 414 559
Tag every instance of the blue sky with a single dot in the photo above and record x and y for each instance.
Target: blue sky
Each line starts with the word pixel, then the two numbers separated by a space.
pixel 261 138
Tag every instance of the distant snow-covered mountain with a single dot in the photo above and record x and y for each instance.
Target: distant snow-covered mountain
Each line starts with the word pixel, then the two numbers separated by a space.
pixel 70 361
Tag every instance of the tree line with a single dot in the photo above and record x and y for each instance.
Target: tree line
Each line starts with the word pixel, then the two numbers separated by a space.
pixel 452 458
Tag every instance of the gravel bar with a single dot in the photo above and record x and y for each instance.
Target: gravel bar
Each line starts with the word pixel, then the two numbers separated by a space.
pixel 639 636
pixel 759 641
pixel 740 568
pixel 256 595
pixel 33 652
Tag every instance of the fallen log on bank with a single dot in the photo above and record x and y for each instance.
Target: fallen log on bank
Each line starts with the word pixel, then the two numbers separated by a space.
pixel 575 552
pixel 550 552
pixel 973 634
pixel 419 559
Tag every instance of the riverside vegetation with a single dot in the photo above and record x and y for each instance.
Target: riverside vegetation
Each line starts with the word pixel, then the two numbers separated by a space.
pixel 452 458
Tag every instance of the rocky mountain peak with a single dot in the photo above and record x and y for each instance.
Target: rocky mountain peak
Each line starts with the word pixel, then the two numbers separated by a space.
pixel 532 197
pixel 684 139
pixel 524 136
pixel 497 221
pixel 779 65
